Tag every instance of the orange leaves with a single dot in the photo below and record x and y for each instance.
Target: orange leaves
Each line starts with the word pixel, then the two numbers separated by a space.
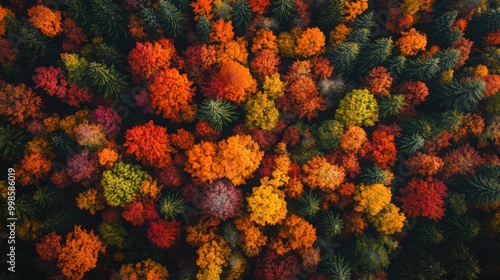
pixel 310 42
pixel 200 161
pixel 18 103
pixel 264 40
pixel 33 168
pixel 425 165
pixel 149 143
pixel 295 234
pixel 321 174
pixel 148 58
pixel 233 82
pixel 353 9
pixel 252 237
pixel 379 81
pixel 43 18
pixel 146 269
pixel 304 100
pixel 49 247
pixel 171 95
pixel 202 8
pixel 222 31
pixel 352 139
pixel 3 13
pixel 79 253
pixel 411 42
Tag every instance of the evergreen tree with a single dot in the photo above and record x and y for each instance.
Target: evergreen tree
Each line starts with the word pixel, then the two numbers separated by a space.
pixel 450 120
pixel 429 234
pixel 151 19
pixel 460 95
pixel 483 189
pixel 59 221
pixel 447 59
pixel 331 14
pixel 409 144
pixel 283 10
pixel 461 262
pixel 204 27
pixel 483 23
pixel 335 267
pixel 374 54
pixel 106 81
pixel 12 142
pixel 172 205
pixel 364 21
pixel 373 175
pixel 391 105
pixel 81 12
pixel 461 227
pixel 240 15
pixel 330 223
pixel 217 113
pixel 397 65
pixel 423 69
pixel 359 36
pixel 439 32
pixel 308 205
pixel 109 20
pixel 170 18
pixel 344 57
pixel 61 142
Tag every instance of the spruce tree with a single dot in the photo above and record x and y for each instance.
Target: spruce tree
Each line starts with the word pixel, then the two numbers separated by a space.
pixel 283 10
pixel 374 54
pixel 460 95
pixel 106 81
pixel 110 20
pixel 12 142
pixel 373 175
pixel 217 113
pixel 240 15
pixel 204 27
pixel 391 105
pixel 336 267
pixel 344 57
pixel 483 23
pixel 151 20
pixel 483 190
pixel 423 69
pixel 170 18
pixel 447 59
pixel 331 14
pixel 461 262
pixel 439 32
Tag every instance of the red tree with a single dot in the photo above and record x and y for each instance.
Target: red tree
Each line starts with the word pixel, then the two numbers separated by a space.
pixel 423 198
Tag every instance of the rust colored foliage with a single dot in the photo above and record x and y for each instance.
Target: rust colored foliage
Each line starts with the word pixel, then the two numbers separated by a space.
pixel 273 266
pixel 353 139
pixel 198 59
pixel 43 18
pixel 311 42
pixel 492 85
pixel 171 95
pixel 379 81
pixel 354 223
pixel 415 93
pixel 233 82
pixel 49 247
pixel 74 36
pixel 464 45
pixel 79 253
pixel 461 161
pixel 259 6
pixel 150 144
pixel 321 67
pixel 149 58
pixel 423 198
pixel 264 40
pixel 235 158
pixel 222 31
pixel 164 233
pixel 295 234
pixel 399 20
pixel 383 149
pixel 319 173
pixel 183 139
pixel 303 100
pixel 411 42
pixel 19 103
pixel 33 168
pixel 4 12
pixel 425 165
pixel 7 52
pixel 265 63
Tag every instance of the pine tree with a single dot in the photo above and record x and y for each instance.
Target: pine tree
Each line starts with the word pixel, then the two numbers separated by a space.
pixel 81 12
pixel 344 57
pixel 172 205
pixel 374 54
pixel 409 144
pixel 439 32
pixel 335 266
pixel 447 59
pixel 429 234
pixel 331 14
pixel 59 221
pixel 12 142
pixel 60 142
pixel 397 65
pixel 283 10
pixel 391 105
pixel 450 120
pixel 170 18
pixel 46 196
pixel 218 113
pixel 461 262
pixel 183 5
pixel 330 224
pixel 460 95
pixel 461 227
pixel 373 175
pixel 483 189
pixel 110 20
pixel 423 69
pixel 359 36
pixel 240 15
pixel 106 81
pixel 204 27
pixel 483 23
pixel 151 19
pixel 308 205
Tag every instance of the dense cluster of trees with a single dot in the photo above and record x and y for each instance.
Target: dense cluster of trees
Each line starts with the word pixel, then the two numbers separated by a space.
pixel 252 139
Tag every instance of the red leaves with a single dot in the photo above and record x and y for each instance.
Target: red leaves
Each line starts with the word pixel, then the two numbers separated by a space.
pixel 163 233
pixel 423 198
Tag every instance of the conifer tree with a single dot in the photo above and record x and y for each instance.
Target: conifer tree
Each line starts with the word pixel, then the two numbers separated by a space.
pixel 344 57
pixel 283 10
pixel 374 54
pixel 106 81
pixel 423 69
pixel 240 15
pixel 483 23
pixel 460 95
pixel 331 14
pixel 110 20
pixel 170 18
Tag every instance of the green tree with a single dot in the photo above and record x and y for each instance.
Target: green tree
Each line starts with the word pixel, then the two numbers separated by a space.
pixel 371 254
pixel 330 223
pixel 283 10
pixel 204 27
pixel 308 205
pixel 461 262
pixel 374 54
pixel 12 142
pixel 240 15
pixel 344 57
pixel 329 133
pixel 331 14
pixel 336 267
pixel 423 69
pixel 109 20
pixel 391 105
pixel 483 23
pixel 460 95
pixel 217 113
pixel 106 81
pixel 170 18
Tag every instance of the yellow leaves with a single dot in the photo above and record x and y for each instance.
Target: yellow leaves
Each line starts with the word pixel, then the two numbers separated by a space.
pixel 261 112
pixel 267 204
pixel 371 199
pixel 146 269
pixel 212 258
pixel 273 86
pixel 389 221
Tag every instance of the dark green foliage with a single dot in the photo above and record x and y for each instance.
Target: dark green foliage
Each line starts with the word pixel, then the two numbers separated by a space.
pixel 283 10
pixel 358 36
pixel 422 266
pixel 335 267
pixel 450 120
pixel 409 144
pixel 396 66
pixel 457 202
pixel 370 254
pixel 461 95
pixel 483 190
pixel 483 23
pixel 461 261
pixel 183 5
pixel 374 54
pixel 330 224
pixel 59 221
pixel 60 142
pixel 331 14
pixel 366 20
pixel 461 227
pixel 391 105
pixel 12 142
pixel 217 113
pixel 46 196
pixel 421 126
pixel 26 208
pixel 240 15
pixel 109 55
pixel 106 81
pixel 151 20
pixel 172 205
pixel 344 57
pixel 447 59
pixel 373 175
pixel 439 32
pixel 329 133
pixel 308 205
pixel 429 234
pixel 80 11
pixel 423 69
pixel 170 18
pixel 204 27
pixel 110 20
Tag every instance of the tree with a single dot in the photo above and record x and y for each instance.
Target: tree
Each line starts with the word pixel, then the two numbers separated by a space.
pixel 460 95
pixel 483 190
pixel 336 267
pixel 43 18
pixel 411 42
pixel 371 254
pixel 283 10
pixel 150 144
pixel 329 133
pixel 303 100
pixel 344 56
pixel 379 81
pixel 148 58
pixel 321 174
pixel 240 14
pixel 265 63
pixel 105 80
pixel 122 182
pixel 483 23
pixel 12 142
pixel 308 205
pixel 212 257
pixel 261 112
pixel 233 82
pixel 371 199
pixel 79 253
pixel 171 95
pixel 266 204
pixel 108 20
pixel 331 14
pixel 83 168
pixel 311 42
pixel 19 103
pixel 146 269
pixel 274 266
pixel 423 198
pixel 170 18
pixel 422 68
pixel 353 139
pixel 163 233
pixel 295 234
pixel 221 200
pixel 358 107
